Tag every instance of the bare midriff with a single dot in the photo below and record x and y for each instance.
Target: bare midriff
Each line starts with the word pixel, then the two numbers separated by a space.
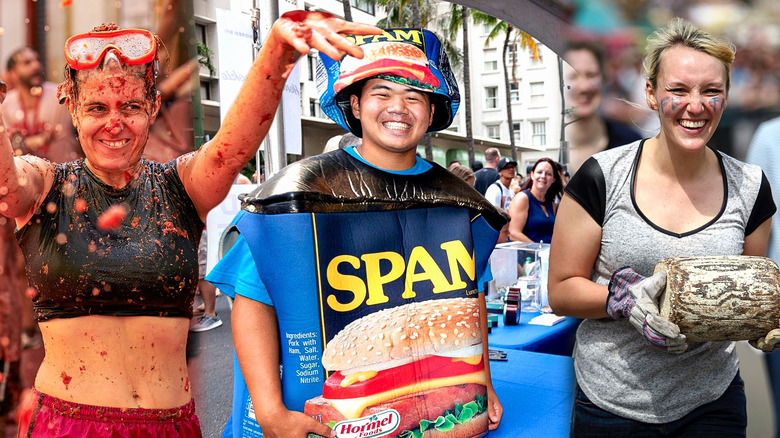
pixel 116 361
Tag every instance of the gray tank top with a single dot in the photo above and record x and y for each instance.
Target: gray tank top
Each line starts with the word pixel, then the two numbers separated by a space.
pixel 614 367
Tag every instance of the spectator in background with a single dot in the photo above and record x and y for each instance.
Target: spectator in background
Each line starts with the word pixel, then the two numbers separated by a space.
pixel 37 124
pixel 205 316
pixel 452 164
pixel 488 174
pixel 172 134
pixel 498 192
pixel 349 139
pixel 476 165
pixel 533 209
pixel 463 173
pixel 10 321
pixel 516 185
pixel 589 132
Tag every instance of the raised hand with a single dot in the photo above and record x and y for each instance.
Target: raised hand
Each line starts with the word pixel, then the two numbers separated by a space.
pixel 305 30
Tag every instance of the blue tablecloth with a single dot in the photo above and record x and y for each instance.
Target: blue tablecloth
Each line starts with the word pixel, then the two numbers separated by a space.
pixel 537 391
pixel 557 339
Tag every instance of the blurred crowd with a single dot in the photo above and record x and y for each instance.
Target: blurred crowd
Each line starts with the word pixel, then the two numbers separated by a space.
pixel 751 26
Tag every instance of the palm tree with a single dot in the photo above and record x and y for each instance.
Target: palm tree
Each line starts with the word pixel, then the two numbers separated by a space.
pixel 347 9
pixel 525 41
pixel 459 21
pixel 407 13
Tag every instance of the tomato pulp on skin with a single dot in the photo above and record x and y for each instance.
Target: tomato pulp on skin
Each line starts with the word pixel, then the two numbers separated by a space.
pixel 431 367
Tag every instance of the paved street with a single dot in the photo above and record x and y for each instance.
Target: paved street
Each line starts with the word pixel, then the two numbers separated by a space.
pixel 211 370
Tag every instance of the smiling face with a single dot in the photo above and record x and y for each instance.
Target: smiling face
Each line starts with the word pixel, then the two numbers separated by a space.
pixel 543 176
pixel 584 81
pixel 690 96
pixel 113 117
pixel 394 118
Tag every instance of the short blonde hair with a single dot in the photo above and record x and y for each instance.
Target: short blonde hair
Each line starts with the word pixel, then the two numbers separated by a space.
pixel 680 32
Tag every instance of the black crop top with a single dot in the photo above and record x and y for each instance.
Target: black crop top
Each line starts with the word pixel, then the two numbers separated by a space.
pixel 147 266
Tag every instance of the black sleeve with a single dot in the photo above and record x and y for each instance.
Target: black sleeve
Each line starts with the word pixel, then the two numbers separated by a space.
pixel 764 207
pixel 589 189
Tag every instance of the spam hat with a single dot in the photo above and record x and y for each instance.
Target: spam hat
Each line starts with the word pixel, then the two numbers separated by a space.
pixel 413 57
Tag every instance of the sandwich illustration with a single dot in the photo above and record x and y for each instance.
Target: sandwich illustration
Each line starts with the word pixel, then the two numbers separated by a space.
pixel 388 58
pixel 414 370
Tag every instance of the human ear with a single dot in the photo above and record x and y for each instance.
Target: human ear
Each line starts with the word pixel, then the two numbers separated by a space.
pixel 650 96
pixel 155 108
pixel 354 103
pixel 430 119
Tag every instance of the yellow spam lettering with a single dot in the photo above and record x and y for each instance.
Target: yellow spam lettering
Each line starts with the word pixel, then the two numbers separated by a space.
pixel 394 35
pixel 345 282
pixel 420 267
pixel 360 376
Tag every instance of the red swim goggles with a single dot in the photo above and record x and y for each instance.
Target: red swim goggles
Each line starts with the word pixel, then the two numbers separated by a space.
pixel 135 46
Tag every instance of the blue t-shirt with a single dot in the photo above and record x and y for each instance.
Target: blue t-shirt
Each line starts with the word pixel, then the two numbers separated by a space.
pixel 281 259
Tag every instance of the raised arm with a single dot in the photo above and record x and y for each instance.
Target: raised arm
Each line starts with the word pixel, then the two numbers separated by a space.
pixel 209 173
pixel 22 180
pixel 575 245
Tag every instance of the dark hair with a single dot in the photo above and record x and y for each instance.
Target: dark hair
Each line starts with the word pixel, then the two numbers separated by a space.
pixel 476 165
pixel 14 58
pixel 462 172
pixel 556 188
pixel 590 46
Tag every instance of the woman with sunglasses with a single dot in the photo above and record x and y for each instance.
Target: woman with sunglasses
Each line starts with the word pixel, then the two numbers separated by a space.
pixel 110 241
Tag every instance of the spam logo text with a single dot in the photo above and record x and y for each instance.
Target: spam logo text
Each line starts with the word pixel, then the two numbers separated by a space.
pixel 365 279
pixel 414 36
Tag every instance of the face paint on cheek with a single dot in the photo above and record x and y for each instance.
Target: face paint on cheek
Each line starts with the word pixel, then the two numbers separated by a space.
pixel 717 103
pixel 669 104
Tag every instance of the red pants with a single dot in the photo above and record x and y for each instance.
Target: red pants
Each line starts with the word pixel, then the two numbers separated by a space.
pixel 52 417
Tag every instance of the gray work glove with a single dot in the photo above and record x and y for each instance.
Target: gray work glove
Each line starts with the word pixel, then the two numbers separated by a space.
pixel 635 297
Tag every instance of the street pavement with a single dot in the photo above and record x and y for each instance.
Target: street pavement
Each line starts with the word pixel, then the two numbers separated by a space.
pixel 210 364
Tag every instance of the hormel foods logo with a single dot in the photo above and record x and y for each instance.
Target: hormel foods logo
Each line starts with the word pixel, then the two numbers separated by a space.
pixel 379 424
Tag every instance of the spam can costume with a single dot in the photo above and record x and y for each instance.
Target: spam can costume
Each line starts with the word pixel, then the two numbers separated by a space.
pixel 374 277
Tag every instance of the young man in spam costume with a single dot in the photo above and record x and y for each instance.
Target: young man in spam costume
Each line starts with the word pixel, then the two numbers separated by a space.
pixel 356 272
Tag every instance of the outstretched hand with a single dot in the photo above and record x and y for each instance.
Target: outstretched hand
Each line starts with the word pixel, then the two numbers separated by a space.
pixel 305 30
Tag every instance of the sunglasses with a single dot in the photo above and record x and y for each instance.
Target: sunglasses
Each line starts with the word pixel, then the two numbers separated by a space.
pixel 136 46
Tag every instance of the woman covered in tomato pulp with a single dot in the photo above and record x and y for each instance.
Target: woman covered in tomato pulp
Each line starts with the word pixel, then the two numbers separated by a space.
pixel 110 241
